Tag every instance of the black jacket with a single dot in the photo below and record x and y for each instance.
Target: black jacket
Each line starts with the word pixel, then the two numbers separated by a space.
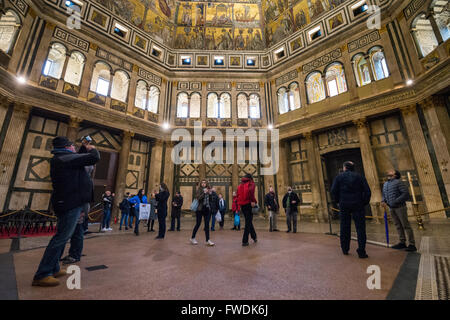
pixel 72 186
pixel 162 198
pixel 125 206
pixel 270 200
pixel 107 201
pixel 350 190
pixel 178 201
pixel 294 197
pixel 214 202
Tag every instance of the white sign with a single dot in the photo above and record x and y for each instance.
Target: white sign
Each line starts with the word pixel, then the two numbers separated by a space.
pixel 144 211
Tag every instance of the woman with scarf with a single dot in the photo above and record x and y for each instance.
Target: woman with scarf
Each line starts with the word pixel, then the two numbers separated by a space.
pixel 137 200
pixel 203 197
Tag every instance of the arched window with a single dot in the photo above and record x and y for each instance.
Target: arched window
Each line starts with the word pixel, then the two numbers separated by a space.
pixel 335 79
pixel 379 64
pixel 75 68
pixel 140 100
pixel 242 106
pixel 131 160
pixel 182 105
pixel 254 107
pixel 54 64
pixel 212 109
pixel 101 78
pixel 424 35
pixel 315 88
pixel 362 70
pixel 441 13
pixel 153 99
pixel 283 102
pixel 9 29
pixel 225 106
pixel 119 90
pixel 195 105
pixel 294 96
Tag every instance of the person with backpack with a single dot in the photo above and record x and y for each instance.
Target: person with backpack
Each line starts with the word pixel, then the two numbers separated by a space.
pixel 236 212
pixel 246 200
pixel 137 200
pixel 203 197
pixel 290 205
pixel 124 207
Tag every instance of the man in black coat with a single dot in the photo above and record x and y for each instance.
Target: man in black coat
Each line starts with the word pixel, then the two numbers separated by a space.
pixel 72 189
pixel 177 203
pixel 290 205
pixel 271 203
pixel 214 206
pixel 352 192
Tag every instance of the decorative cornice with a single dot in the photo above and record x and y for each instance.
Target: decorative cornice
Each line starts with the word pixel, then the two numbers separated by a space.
pixel 407 110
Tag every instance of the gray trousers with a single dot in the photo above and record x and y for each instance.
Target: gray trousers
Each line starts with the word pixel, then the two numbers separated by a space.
pixel 291 219
pixel 400 217
pixel 273 219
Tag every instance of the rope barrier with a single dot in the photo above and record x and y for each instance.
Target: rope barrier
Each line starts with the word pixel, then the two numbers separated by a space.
pixel 8 214
pixel 421 214
pixel 43 214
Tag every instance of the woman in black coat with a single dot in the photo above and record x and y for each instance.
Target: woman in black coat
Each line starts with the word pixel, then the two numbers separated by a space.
pixel 162 198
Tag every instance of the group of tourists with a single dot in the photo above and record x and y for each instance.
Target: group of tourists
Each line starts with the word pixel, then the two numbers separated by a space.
pixel 71 176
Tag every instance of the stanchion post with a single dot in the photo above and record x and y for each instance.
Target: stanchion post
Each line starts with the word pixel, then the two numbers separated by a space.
pixel 329 222
pixel 386 227
pixel 415 204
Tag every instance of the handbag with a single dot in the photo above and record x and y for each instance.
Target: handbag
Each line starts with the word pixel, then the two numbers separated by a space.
pixel 237 219
pixel 255 209
pixel 194 205
pixel 218 217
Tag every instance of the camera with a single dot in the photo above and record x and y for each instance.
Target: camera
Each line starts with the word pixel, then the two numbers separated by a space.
pixel 86 139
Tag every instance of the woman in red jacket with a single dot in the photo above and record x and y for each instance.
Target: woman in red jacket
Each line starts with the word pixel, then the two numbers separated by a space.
pixel 236 210
pixel 246 200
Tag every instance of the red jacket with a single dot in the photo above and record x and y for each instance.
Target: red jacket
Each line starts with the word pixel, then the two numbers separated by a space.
pixel 246 192
pixel 235 207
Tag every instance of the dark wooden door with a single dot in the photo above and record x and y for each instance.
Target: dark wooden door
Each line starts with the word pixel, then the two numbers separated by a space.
pixel 105 174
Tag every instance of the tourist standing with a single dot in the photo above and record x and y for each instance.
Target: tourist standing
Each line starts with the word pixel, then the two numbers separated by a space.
pixel 177 203
pixel 214 206
pixel 271 203
pixel 137 200
pixel 352 193
pixel 222 210
pixel 236 212
pixel 124 207
pixel 72 188
pixel 153 216
pixel 203 211
pixel 395 195
pixel 162 198
pixel 246 200
pixel 107 205
pixel 290 205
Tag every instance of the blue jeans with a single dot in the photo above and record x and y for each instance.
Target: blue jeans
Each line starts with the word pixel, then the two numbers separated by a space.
pixel 213 220
pixel 124 217
pixel 76 242
pixel 65 227
pixel 131 221
pixel 106 217
pixel 136 224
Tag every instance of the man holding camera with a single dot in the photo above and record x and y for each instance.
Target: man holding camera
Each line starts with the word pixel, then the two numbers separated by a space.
pixel 72 189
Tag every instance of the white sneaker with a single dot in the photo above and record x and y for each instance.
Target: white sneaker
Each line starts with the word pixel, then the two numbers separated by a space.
pixel 193 241
pixel 109 229
pixel 210 243
pixel 104 229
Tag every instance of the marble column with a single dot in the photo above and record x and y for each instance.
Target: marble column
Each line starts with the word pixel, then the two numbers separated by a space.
pixel 155 164
pixel 438 123
pixel 122 170
pixel 370 169
pixel 60 85
pixel 73 127
pixel 424 167
pixel 314 178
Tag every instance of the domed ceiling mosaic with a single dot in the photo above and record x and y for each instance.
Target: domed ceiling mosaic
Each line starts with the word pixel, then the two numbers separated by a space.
pixel 220 25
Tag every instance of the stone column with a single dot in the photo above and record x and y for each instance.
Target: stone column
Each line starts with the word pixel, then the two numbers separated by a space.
pixel 72 128
pixel 370 169
pixel 438 123
pixel 122 170
pixel 424 167
pixel 314 178
pixel 60 86
pixel 155 164
pixel 202 165
pixel 435 27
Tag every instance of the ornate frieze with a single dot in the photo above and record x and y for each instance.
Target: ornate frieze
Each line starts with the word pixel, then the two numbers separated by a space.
pixel 363 41
pixel 286 77
pixel 321 61
pixel 149 76
pixel 412 8
pixel 21 6
pixel 219 86
pixel 247 86
pixel 71 39
pixel 114 59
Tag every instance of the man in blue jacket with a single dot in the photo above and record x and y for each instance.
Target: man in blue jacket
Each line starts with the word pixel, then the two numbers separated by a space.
pixel 352 192
pixel 395 195
pixel 72 189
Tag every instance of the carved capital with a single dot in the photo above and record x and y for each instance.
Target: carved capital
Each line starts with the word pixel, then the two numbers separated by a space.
pixel 308 136
pixel 431 102
pixel 360 123
pixel 411 109
pixel 261 84
pixel 128 134
pixel 22 107
pixel 74 122
pixel 94 46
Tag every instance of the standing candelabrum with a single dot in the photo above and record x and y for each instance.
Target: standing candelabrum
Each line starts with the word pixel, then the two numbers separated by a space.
pixel 415 205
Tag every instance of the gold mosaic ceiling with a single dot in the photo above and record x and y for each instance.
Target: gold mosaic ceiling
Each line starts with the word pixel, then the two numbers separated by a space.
pixel 220 25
